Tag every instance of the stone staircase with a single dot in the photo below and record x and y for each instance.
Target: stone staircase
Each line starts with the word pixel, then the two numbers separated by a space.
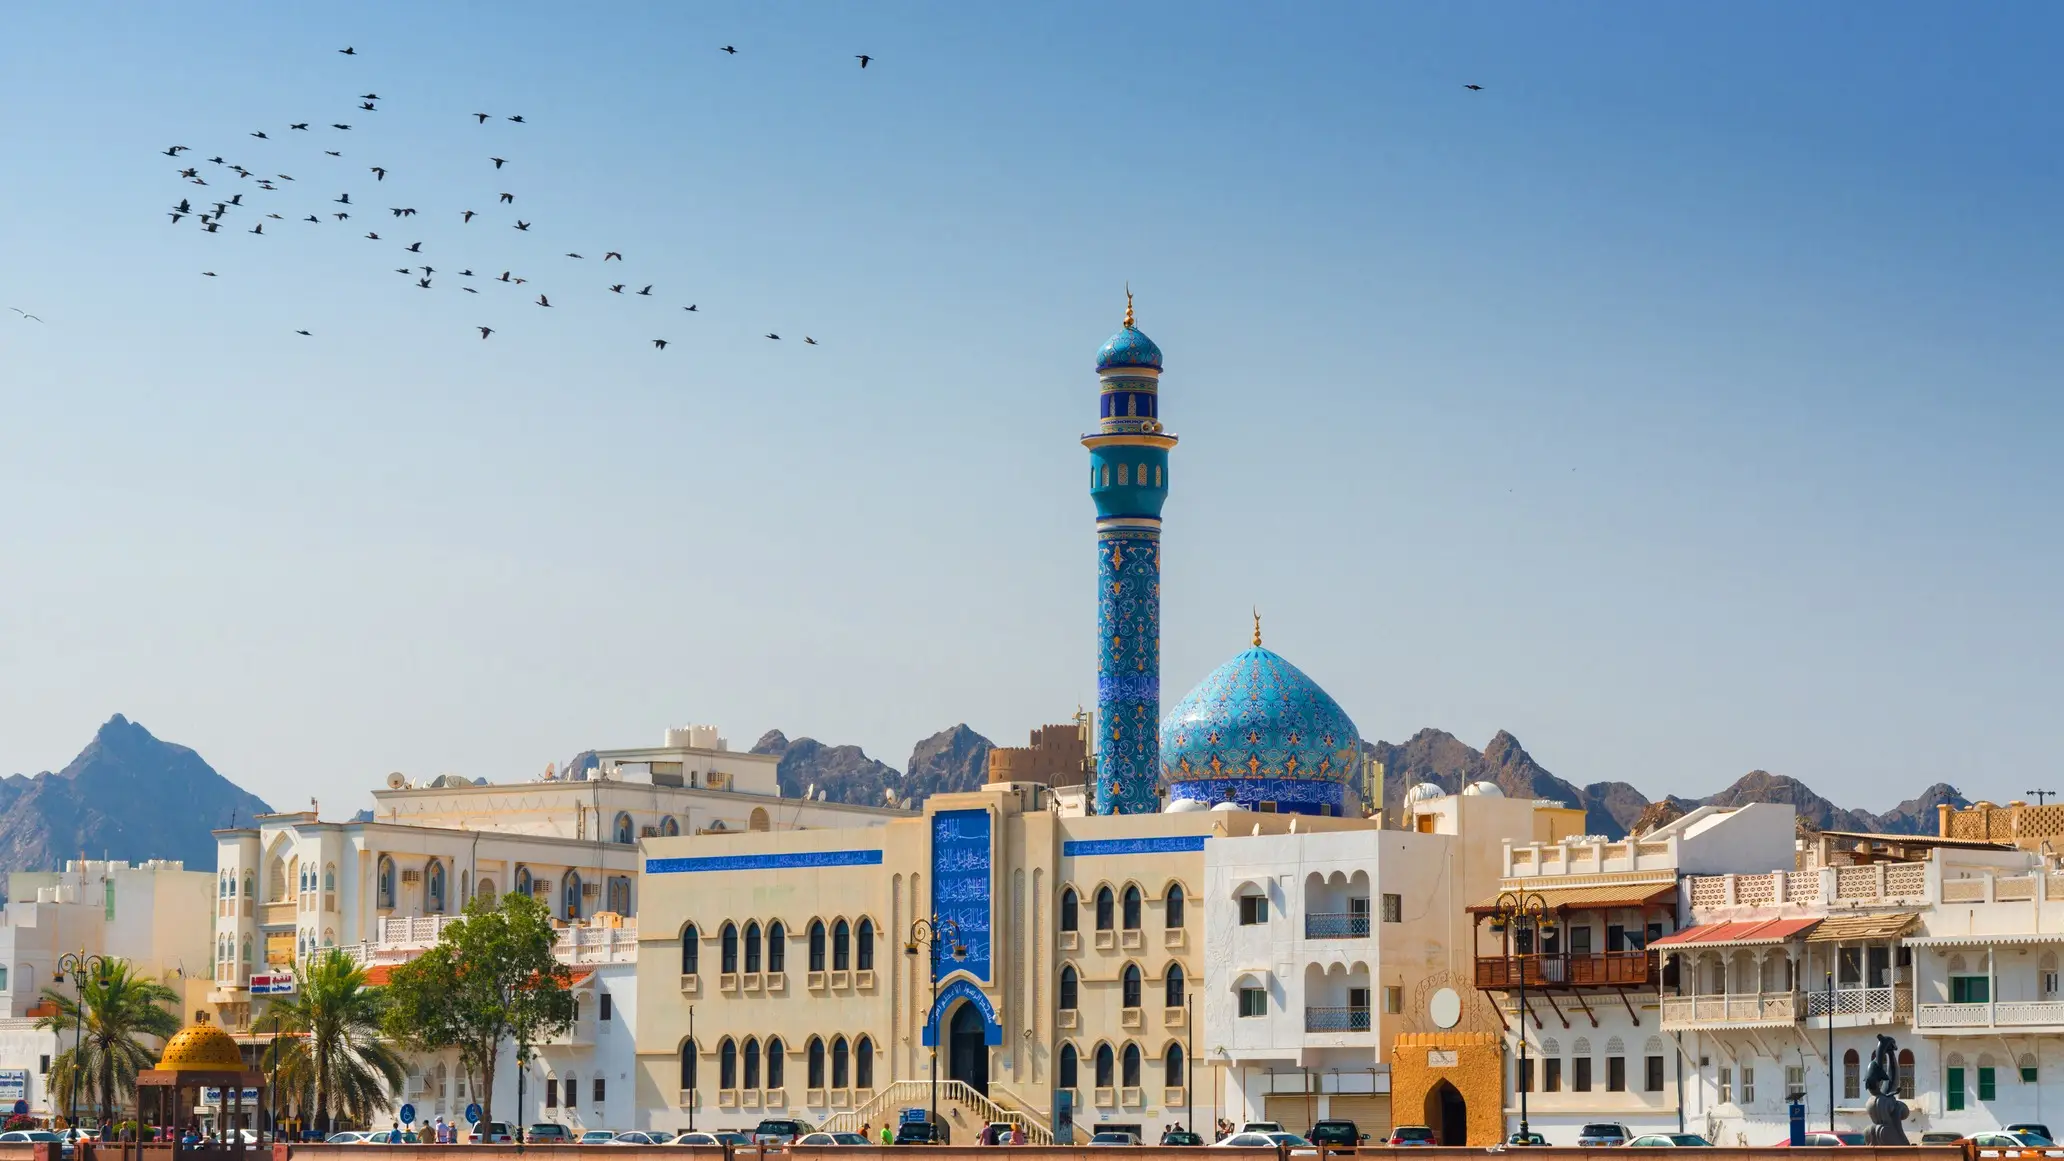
pixel 964 1109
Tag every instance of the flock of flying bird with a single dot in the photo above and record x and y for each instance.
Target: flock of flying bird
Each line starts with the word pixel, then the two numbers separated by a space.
pixel 212 220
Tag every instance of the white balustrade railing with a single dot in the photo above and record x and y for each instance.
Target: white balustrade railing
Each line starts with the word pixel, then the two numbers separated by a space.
pixel 2011 1014
pixel 1739 1008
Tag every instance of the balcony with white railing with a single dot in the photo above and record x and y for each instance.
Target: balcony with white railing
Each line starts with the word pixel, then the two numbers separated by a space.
pixel 597 944
pixel 1738 1010
pixel 1887 883
pixel 1591 857
pixel 2014 1015
pixel 1853 1007
pixel 1337 925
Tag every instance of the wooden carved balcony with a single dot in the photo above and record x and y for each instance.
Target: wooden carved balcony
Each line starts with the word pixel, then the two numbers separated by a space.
pixel 1612 969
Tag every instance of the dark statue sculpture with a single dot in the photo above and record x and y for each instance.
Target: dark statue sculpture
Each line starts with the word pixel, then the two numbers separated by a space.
pixel 1886 1109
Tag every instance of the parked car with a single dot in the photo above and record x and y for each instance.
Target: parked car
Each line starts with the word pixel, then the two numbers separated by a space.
pixel 923 1133
pixel 1670 1140
pixel 348 1137
pixel 2033 1128
pixel 778 1131
pixel 1941 1138
pixel 1261 1127
pixel 733 1138
pixel 2008 1141
pixel 1603 1135
pixel 492 1133
pixel 1336 1134
pixel 1404 1135
pixel 635 1137
pixel 1181 1137
pixel 1526 1140
pixel 548 1133
pixel 697 1138
pixel 1114 1137
pixel 1826 1140
pixel 598 1137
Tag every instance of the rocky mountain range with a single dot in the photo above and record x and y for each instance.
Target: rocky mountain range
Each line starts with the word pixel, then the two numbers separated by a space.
pixel 127 795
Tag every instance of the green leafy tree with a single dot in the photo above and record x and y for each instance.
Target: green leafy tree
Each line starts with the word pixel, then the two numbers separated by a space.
pixel 328 1044
pixel 491 978
pixel 121 1006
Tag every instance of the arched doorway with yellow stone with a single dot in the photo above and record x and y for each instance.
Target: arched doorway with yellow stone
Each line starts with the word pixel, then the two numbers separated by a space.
pixel 1455 1080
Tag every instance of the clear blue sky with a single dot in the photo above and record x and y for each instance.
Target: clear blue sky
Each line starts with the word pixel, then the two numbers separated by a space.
pixel 1684 402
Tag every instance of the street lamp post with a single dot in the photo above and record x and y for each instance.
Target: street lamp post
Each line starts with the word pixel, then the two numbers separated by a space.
pixel 1523 912
pixel 79 965
pixel 933 934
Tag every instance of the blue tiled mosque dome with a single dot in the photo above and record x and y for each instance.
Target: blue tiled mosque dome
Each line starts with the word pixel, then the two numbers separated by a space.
pixel 1257 730
pixel 1130 347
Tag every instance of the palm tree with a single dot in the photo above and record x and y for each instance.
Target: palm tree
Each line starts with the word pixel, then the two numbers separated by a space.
pixel 329 1043
pixel 120 1006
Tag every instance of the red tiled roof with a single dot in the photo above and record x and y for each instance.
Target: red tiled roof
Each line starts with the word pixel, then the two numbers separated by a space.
pixel 1739 932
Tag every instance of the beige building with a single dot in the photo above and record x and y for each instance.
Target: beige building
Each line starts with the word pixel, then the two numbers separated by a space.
pixel 1069 950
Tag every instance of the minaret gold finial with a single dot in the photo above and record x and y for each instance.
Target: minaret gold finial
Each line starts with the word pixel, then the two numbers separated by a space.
pixel 1128 306
pixel 1257 628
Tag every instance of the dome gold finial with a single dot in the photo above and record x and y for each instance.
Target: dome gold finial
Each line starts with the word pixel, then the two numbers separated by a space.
pixel 1128 306
pixel 1257 628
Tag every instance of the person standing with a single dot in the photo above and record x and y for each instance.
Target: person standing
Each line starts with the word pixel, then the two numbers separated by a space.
pixel 887 1137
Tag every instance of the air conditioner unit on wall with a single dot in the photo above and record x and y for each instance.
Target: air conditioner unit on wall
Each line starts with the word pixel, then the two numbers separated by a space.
pixel 412 876
pixel 591 888
pixel 649 831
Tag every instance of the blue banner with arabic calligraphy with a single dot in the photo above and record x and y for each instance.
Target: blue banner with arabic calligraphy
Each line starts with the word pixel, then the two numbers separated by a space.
pixel 960 886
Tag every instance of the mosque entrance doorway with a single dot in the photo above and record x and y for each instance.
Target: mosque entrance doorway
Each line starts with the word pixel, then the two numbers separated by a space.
pixel 1447 1114
pixel 967 1053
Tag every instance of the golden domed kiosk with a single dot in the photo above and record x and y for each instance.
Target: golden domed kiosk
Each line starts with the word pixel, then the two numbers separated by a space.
pixel 199 1057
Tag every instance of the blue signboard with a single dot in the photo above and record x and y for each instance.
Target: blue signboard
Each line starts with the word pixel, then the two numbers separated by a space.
pixel 913 1116
pixel 953 993
pixel 960 887
pixel 408 1114
pixel 1064 1117
pixel 473 1114
pixel 213 1096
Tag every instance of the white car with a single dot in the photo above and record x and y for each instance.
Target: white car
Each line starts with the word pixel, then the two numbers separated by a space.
pixel 696 1139
pixel 348 1137
pixel 636 1138
pixel 597 1137
pixel 1114 1138
pixel 1299 1147
pixel 832 1139
pixel 1670 1141
pixel 1261 1127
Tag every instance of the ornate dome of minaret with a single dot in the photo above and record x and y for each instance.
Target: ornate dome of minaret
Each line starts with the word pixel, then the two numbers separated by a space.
pixel 1130 347
pixel 1258 731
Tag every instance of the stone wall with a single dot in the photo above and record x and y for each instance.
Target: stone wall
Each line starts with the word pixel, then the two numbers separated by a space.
pixel 1472 1062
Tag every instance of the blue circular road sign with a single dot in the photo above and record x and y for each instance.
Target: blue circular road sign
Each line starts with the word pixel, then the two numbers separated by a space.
pixel 408 1114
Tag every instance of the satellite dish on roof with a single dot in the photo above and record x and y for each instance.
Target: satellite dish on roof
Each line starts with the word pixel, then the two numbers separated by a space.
pixel 1446 1008
pixel 397 781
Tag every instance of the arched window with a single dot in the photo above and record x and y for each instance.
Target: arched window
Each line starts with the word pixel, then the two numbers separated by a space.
pixel 570 895
pixel 572 1090
pixel 1173 1063
pixel 863 946
pixel 863 1063
pixel 386 881
pixel 1129 985
pixel 813 1063
pixel 841 946
pixel 1132 908
pixel 1105 1070
pixel 465 887
pixel 1124 472
pixel 669 826
pixel 727 1065
pixel 1906 1074
pixel 276 880
pixel 1174 986
pixel 839 1062
pixel 1068 909
pixel 816 945
pixel 433 887
pixel 1104 909
pixel 1129 1073
pixel 727 957
pixel 523 879
pixel 691 950
pixel 777 949
pixel 1852 1076
pixel 247 951
pixel 250 885
pixel 688 1066
pixel 1070 987
pixel 1173 910
pixel 484 889
pixel 752 948
pixel 752 1063
pixel 1068 1067
pixel 625 832
pixel 222 883
pixel 777 1063
pixel 758 819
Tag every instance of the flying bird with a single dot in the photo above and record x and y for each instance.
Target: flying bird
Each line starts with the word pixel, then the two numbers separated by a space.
pixel 772 335
pixel 184 206
pixel 259 228
pixel 237 200
pixel 240 171
pixel 504 277
pixel 647 292
pixel 660 343
pixel 214 227
pixel 518 119
pixel 260 135
pixel 275 217
pixel 369 96
pixel 570 254
pixel 313 218
pixel 221 208
pixel 414 247
pixel 367 106
pixel 483 117
pixel 176 215
pixel 346 52
pixel 522 225
pixel 809 340
pixel 465 274
pixel 612 254
pixel 301 332
pixel 728 49
pixel 24 314
pixel 198 181
pixel 333 153
pixel 1474 88
pixel 543 301
pixel 498 161
pixel 423 282
pixel 342 199
pixel 284 176
pixel 216 160
pixel 617 289
pixel 207 274
pixel 467 216
pixel 174 151
pixel 688 308
pixel 486 331
pixel 373 236
pixel 301 125
pixel 334 125
pixel 428 270
pixel 342 217
pixel 508 199
pixel 469 290
pixel 403 270
pixel 379 173
pixel 863 58
pixel 189 173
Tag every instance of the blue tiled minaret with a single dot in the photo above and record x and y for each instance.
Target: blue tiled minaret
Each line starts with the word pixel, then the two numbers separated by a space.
pixel 1128 479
